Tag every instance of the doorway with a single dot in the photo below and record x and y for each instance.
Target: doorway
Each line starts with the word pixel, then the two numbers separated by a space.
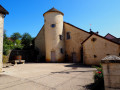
pixel 53 57
pixel 74 57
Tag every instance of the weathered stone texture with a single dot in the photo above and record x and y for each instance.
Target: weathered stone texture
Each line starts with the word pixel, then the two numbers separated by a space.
pixel 1 38
pixel 52 39
pixel 74 43
pixel 95 51
pixel 111 72
pixel 40 43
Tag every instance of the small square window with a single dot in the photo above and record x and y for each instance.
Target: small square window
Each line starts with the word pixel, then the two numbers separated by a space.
pixel 61 37
pixel 68 35
pixel 93 39
pixel 61 50
pixel 95 56
pixel 53 25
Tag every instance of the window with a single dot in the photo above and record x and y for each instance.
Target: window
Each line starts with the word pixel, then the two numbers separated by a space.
pixel 107 54
pixel 44 20
pixel 95 56
pixel 61 50
pixel 61 37
pixel 93 39
pixel 53 25
pixel 68 35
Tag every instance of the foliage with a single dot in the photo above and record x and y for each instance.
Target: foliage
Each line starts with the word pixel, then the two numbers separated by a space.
pixel 5 59
pixel 26 40
pixel 9 44
pixel 98 75
pixel 17 44
pixel 16 36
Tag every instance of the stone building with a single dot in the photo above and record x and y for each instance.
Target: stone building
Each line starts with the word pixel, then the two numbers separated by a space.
pixel 59 41
pixel 3 13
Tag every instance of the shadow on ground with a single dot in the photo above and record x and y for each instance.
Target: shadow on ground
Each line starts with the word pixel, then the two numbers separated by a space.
pixel 68 72
pixel 77 65
pixel 74 67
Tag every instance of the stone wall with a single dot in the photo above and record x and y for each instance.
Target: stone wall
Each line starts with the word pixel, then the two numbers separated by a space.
pixel 73 45
pixel 111 72
pixel 52 36
pixel 1 38
pixel 40 43
pixel 94 51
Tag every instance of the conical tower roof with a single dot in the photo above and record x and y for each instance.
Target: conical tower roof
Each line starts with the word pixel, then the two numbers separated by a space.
pixel 53 10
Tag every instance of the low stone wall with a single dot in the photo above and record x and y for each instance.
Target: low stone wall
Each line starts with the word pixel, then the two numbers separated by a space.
pixel 111 72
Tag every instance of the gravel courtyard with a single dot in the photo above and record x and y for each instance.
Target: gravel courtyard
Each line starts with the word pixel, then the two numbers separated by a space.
pixel 46 76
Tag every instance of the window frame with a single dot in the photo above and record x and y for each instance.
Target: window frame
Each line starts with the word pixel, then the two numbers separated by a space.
pixel 68 36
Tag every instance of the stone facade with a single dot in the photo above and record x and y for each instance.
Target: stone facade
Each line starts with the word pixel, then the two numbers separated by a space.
pixel 40 43
pixel 111 72
pixel 3 13
pixel 53 30
pixel 64 42
pixel 73 45
pixel 95 50
pixel 1 38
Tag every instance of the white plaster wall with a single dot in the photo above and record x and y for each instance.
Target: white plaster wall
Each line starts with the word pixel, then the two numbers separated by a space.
pixel 1 38
pixel 52 41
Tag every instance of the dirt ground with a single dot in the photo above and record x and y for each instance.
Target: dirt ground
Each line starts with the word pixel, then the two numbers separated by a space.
pixel 46 76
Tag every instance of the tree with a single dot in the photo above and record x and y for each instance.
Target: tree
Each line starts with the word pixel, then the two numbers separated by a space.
pixel 17 44
pixel 16 36
pixel 26 40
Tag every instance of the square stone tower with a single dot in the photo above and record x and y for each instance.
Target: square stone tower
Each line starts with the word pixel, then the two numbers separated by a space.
pixel 3 13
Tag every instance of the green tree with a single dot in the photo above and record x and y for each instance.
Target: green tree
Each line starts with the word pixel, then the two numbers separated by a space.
pixel 16 36
pixel 26 40
pixel 17 44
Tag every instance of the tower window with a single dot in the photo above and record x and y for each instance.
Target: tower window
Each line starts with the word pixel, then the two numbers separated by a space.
pixel 61 50
pixel 68 35
pixel 53 25
pixel 61 37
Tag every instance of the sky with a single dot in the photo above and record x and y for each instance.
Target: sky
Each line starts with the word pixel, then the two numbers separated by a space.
pixel 27 15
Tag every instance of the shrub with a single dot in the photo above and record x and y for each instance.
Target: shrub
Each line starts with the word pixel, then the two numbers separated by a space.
pixel 5 59
pixel 98 75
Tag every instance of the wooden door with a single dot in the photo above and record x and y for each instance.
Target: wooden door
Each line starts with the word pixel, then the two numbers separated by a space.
pixel 74 57
pixel 53 57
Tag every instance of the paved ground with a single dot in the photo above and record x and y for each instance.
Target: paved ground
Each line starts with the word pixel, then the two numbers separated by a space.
pixel 46 76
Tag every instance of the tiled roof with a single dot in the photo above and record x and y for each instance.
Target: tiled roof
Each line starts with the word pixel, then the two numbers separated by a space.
pixel 3 10
pixel 53 10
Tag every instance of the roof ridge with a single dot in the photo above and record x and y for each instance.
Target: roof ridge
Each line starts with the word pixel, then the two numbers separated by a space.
pixel 101 37
pixel 77 27
pixel 111 35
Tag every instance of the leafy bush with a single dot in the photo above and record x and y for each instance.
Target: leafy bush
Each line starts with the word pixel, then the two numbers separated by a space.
pixel 98 75
pixel 5 59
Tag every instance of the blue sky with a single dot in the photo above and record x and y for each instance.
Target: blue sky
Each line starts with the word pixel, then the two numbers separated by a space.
pixel 27 15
